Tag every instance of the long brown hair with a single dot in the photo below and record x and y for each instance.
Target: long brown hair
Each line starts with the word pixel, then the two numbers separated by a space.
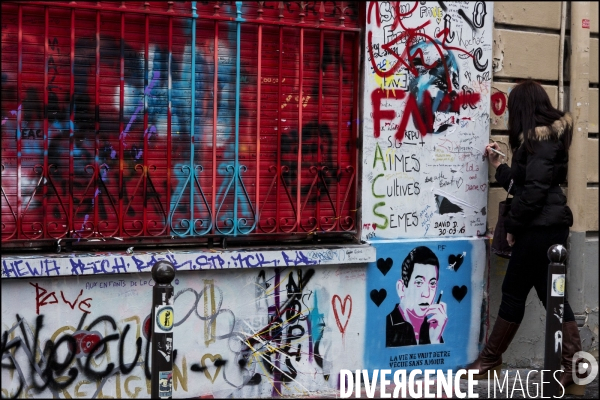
pixel 529 107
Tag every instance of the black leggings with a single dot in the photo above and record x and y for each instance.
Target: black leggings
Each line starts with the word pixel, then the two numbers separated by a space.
pixel 527 268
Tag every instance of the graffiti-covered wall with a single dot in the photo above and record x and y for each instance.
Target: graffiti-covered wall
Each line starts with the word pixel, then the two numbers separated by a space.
pixel 284 328
pixel 428 72
pixel 242 333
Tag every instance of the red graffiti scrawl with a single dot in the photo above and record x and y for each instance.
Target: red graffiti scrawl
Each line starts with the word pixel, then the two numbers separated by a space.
pixel 424 123
pixel 347 299
pixel 41 297
pixel 408 36
pixel 44 299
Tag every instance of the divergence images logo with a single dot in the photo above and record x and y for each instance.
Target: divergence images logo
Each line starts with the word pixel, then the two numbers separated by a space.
pixel 587 368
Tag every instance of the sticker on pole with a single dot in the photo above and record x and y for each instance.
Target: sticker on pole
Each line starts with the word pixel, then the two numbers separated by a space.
pixel 165 383
pixel 164 319
pixel 558 285
pixel 585 23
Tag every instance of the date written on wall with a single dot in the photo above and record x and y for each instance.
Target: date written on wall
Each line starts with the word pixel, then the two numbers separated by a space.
pixel 448 228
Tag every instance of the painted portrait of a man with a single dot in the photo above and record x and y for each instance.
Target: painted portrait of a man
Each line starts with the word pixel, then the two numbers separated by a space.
pixel 419 317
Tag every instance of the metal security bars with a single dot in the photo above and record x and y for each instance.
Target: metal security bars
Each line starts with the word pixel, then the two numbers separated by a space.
pixel 154 121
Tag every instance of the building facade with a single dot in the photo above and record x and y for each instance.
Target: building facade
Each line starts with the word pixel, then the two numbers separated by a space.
pixel 293 161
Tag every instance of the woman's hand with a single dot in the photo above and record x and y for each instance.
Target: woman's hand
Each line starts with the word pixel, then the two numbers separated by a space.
pixel 493 158
pixel 510 239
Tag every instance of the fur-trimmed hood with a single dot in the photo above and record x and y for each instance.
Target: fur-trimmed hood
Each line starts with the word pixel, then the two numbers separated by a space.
pixel 555 130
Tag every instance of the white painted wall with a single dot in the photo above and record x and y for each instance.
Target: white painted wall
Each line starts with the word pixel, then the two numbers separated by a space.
pixel 217 314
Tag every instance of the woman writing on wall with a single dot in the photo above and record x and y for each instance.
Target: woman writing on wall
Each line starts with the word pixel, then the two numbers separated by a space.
pixel 539 137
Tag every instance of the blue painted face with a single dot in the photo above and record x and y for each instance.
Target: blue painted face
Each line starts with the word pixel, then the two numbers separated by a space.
pixel 438 75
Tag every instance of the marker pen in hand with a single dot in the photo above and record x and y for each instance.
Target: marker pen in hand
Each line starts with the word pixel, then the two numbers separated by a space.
pixel 497 152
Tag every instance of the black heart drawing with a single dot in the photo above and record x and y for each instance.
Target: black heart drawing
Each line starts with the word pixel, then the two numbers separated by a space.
pixel 378 296
pixel 385 265
pixel 459 293
pixel 456 261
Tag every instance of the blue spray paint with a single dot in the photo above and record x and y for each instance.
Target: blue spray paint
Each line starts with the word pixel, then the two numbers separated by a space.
pixel 140 106
pixel 78 232
pixel 19 116
pixel 315 326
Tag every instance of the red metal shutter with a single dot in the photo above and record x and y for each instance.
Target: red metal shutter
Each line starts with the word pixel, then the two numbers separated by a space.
pixel 99 102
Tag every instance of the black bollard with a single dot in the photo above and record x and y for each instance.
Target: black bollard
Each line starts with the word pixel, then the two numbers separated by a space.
pixel 557 254
pixel 162 331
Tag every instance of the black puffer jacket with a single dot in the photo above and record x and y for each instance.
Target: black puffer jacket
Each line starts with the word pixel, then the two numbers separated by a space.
pixel 538 200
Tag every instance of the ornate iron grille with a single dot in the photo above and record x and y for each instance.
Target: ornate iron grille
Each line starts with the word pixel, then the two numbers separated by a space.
pixel 154 121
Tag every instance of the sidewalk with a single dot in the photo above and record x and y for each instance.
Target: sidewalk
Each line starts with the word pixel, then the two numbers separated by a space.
pixel 481 389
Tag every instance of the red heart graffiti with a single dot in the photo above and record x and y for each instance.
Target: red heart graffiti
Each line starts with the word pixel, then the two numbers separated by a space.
pixel 343 305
